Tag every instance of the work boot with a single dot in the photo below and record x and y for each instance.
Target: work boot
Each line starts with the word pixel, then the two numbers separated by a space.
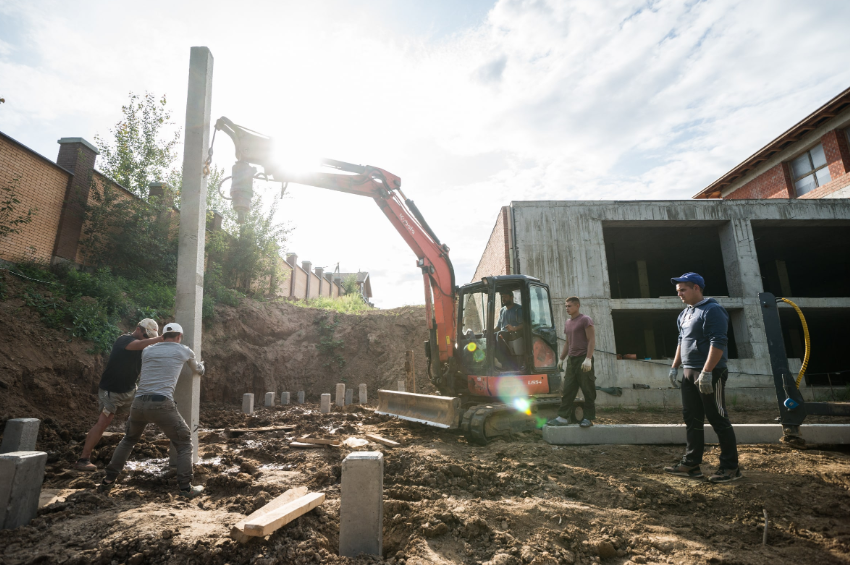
pixel 85 465
pixel 104 487
pixel 558 422
pixel 682 470
pixel 585 423
pixel 726 475
pixel 191 492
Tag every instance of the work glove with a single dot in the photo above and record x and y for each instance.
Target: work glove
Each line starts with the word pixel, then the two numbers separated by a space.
pixel 561 365
pixel 674 372
pixel 587 365
pixel 704 383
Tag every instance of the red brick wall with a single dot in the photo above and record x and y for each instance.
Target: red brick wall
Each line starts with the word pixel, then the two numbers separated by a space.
pixel 837 154
pixel 496 257
pixel 773 183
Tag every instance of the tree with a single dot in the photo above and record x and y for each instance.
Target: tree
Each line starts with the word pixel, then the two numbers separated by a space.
pixel 11 218
pixel 350 284
pixel 138 155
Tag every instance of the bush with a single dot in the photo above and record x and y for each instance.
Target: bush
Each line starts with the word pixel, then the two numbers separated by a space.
pixel 348 304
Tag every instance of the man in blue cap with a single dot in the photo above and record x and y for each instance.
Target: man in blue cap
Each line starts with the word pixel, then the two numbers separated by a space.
pixel 702 352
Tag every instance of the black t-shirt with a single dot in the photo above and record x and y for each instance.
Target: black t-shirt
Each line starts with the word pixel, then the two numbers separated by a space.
pixel 123 368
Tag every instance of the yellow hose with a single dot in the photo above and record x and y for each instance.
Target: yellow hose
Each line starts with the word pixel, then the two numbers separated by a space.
pixel 806 333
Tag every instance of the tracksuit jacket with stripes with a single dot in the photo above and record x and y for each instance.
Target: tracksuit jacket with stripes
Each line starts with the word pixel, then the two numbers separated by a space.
pixel 702 325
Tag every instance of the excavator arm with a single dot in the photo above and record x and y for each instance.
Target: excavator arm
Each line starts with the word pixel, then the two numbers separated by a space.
pixel 385 189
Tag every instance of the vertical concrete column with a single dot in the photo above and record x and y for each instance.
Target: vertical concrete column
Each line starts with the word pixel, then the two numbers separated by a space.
pixel 743 278
pixel 409 371
pixel 340 394
pixel 269 401
pixel 308 268
pixel 248 403
pixel 284 398
pixel 193 219
pixel 20 434
pixel 77 156
pixel 349 396
pixel 325 403
pixel 401 386
pixel 364 398
pixel 300 397
pixel 21 475
pixel 361 509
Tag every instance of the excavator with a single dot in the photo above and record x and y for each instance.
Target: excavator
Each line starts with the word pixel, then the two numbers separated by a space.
pixel 493 378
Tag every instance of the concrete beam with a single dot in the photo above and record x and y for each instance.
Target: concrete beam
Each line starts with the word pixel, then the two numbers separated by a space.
pixel 674 434
pixel 20 434
pixel 361 508
pixel 21 476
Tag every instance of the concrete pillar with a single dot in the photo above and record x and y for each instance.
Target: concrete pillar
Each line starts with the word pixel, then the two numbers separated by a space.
pixel 191 238
pixel 300 397
pixel 77 156
pixel 20 434
pixel 364 398
pixel 269 399
pixel 248 403
pixel 743 279
pixel 409 371
pixel 308 268
pixel 325 403
pixel 340 394
pixel 361 509
pixel 21 476
pixel 349 396
pixel 284 398
pixel 319 271
pixel 401 386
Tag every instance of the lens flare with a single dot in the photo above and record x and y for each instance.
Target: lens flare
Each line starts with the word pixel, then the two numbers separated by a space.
pixel 523 405
pixel 471 346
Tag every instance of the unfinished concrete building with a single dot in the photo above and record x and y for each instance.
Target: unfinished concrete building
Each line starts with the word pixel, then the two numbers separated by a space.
pixel 618 257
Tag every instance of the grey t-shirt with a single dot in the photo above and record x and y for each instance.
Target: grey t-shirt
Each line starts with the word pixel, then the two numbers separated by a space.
pixel 161 366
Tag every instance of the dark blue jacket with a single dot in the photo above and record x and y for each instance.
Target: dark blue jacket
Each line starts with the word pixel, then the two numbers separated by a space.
pixel 701 326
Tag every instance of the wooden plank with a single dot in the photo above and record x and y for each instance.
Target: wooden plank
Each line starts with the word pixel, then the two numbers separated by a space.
pixel 299 445
pixel 271 521
pixel 382 441
pixel 237 532
pixel 236 432
pixel 335 442
pixel 50 495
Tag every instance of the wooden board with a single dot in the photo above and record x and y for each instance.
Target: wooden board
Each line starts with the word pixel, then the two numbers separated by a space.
pixel 382 441
pixel 236 432
pixel 50 495
pixel 237 532
pixel 271 521
pixel 334 442
pixel 301 445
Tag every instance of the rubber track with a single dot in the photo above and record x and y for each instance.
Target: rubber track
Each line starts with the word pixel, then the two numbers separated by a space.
pixel 475 418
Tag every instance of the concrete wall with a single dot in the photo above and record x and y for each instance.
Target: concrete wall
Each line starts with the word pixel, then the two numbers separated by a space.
pixel 496 257
pixel 561 243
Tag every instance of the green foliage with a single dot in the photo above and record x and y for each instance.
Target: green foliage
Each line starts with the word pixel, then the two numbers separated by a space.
pixel 11 217
pixel 215 291
pixel 350 284
pixel 348 304
pixel 137 154
pixel 329 346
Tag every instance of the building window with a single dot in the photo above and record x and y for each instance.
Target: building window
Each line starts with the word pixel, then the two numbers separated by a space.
pixel 810 170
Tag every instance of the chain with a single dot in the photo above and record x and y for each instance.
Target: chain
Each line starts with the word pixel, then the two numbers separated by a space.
pixel 208 162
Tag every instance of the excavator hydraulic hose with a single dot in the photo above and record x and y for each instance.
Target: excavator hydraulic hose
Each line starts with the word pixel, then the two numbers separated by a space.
pixel 806 334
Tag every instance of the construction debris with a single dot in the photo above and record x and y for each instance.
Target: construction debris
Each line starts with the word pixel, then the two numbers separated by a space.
pixel 238 530
pixel 382 441
pixel 334 442
pixel 270 521
pixel 236 432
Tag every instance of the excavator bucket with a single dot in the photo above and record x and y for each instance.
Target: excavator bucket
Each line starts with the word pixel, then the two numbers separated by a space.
pixel 438 411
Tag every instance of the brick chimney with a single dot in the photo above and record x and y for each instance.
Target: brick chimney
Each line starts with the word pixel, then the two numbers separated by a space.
pixel 292 259
pixel 77 156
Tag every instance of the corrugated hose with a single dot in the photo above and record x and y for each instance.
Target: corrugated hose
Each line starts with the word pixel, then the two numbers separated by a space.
pixel 808 343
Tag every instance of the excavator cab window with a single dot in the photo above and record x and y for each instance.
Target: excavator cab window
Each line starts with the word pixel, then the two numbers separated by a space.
pixel 472 341
pixel 510 329
pixel 543 337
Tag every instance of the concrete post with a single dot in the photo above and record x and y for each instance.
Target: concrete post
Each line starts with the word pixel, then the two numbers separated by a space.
pixel 20 434
pixel 21 476
pixel 409 371
pixel 349 396
pixel 361 509
pixel 401 386
pixel 193 221
pixel 248 403
pixel 325 403
pixel 364 398
pixel 284 398
pixel 269 401
pixel 340 394
pixel 300 397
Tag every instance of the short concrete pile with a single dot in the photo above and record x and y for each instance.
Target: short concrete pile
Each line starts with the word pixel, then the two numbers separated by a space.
pixel 325 403
pixel 21 473
pixel 284 398
pixel 364 397
pixel 248 403
pixel 340 394
pixel 269 400
pixel 361 510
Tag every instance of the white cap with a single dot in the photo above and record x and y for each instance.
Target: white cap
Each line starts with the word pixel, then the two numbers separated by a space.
pixel 150 327
pixel 173 327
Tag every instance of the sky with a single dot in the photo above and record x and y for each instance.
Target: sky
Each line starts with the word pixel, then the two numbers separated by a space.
pixel 474 104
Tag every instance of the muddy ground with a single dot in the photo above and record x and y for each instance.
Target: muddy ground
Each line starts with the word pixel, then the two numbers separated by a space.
pixel 515 501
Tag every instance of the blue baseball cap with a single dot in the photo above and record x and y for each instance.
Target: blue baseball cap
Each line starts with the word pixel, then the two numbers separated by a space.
pixel 691 278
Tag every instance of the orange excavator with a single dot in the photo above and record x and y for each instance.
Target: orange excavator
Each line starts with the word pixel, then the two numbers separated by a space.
pixel 492 347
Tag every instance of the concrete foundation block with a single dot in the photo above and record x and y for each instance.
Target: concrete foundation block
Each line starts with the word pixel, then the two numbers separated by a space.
pixel 269 401
pixel 401 387
pixel 340 394
pixel 284 398
pixel 20 434
pixel 300 397
pixel 364 397
pixel 325 403
pixel 674 434
pixel 349 396
pixel 361 511
pixel 248 403
pixel 21 476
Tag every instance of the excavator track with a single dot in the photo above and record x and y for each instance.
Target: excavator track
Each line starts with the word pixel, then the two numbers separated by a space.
pixel 483 422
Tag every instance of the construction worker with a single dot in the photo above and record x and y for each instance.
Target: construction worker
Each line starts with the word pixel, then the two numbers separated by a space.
pixel 117 386
pixel 510 322
pixel 702 352
pixel 579 345
pixel 154 403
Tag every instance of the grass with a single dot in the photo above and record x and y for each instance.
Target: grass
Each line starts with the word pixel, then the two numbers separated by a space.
pixel 348 304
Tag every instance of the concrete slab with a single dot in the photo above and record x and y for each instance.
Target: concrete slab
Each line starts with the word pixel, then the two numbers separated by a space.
pixel 349 396
pixel 20 434
pixel 325 403
pixel 661 434
pixel 284 398
pixel 21 476
pixel 300 397
pixel 340 394
pixel 364 397
pixel 248 403
pixel 361 510
pixel 269 400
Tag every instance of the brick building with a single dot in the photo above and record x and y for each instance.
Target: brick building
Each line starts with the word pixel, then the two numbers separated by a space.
pixel 809 161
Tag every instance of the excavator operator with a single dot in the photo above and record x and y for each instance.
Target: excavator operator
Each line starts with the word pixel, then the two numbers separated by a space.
pixel 510 330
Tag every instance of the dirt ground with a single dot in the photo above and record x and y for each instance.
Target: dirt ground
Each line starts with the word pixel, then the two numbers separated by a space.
pixel 515 501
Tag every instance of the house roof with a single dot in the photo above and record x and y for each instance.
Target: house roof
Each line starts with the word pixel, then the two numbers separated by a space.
pixel 362 278
pixel 794 134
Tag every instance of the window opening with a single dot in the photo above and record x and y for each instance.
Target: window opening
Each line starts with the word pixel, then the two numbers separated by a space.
pixel 810 170
pixel 473 339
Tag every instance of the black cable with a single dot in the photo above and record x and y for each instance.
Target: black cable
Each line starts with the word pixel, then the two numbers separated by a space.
pixel 26 277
